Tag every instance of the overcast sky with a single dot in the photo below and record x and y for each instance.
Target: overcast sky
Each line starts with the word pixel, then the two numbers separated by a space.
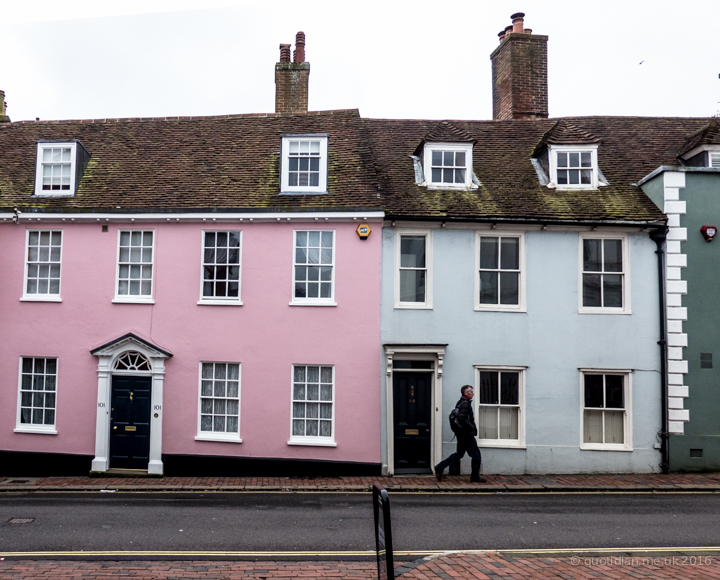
pixel 78 59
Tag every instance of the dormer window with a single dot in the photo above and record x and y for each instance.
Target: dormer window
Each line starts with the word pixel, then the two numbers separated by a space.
pixel 304 164
pixel 59 167
pixel 448 165
pixel 574 167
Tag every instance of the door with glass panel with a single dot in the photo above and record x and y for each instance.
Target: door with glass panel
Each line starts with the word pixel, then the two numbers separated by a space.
pixel 130 422
pixel 412 406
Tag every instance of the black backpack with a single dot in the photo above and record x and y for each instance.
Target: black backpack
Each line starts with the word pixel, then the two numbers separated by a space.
pixel 455 421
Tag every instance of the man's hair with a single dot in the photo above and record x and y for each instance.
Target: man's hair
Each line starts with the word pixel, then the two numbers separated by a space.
pixel 464 389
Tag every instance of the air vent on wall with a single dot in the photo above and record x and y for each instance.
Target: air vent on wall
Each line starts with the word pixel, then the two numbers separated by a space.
pixel 696 453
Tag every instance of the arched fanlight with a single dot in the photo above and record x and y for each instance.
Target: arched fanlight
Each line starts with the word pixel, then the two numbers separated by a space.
pixel 132 361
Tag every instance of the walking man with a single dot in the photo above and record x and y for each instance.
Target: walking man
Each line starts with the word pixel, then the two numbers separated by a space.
pixel 466 430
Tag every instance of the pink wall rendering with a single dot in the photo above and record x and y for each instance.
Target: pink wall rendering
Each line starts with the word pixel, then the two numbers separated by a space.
pixel 266 335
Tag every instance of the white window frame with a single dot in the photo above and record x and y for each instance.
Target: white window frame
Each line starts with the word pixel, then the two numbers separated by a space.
pixel 428 304
pixel 300 301
pixel 518 443
pixel 285 186
pixel 627 416
pixel 521 306
pixel 552 154
pixel 31 427
pixel 466 148
pixel 133 299
pixel 214 300
pixel 37 297
pixel 213 435
pixel 309 440
pixel 625 273
pixel 714 159
pixel 39 191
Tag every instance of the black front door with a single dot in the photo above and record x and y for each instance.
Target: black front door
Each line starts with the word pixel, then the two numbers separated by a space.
pixel 412 410
pixel 130 422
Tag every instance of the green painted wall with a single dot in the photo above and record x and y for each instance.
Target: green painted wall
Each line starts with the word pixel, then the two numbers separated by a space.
pixel 655 190
pixel 702 194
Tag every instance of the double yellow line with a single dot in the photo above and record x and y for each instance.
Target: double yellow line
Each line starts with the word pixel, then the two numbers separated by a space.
pixel 344 553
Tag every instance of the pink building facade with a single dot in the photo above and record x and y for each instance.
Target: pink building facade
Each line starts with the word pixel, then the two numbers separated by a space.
pixel 197 295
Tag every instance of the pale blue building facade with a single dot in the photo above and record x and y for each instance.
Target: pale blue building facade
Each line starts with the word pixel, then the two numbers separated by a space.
pixel 534 361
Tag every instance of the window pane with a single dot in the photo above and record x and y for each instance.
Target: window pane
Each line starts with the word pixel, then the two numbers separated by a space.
pixel 412 251
pixel 299 427
pixel 299 374
pixel 510 254
pixel 327 238
pixel 613 256
pixel 509 388
pixel 508 423
pixel 592 426
pixel 488 287
pixel 326 374
pixel 562 159
pixel 436 158
pixel 509 287
pixel 591 290
pixel 614 391
pixel 593 390
pixel 487 423
pixel 574 159
pixel 412 286
pixel 488 253
pixel 591 256
pixel 614 431
pixel 585 159
pixel 488 392
pixel 612 291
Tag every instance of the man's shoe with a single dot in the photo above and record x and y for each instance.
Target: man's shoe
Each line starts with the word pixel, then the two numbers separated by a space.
pixel 477 480
pixel 438 473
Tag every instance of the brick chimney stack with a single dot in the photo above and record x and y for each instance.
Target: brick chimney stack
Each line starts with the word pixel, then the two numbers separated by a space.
pixel 519 73
pixel 291 78
pixel 3 115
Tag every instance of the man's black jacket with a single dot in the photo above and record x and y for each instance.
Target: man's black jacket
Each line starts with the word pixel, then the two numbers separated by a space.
pixel 466 417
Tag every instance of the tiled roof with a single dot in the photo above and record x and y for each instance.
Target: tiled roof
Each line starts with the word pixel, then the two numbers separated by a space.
pixel 190 163
pixel 630 148
pixel 707 135
pixel 563 132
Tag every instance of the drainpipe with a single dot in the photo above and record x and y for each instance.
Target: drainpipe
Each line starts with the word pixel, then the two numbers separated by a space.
pixel 658 236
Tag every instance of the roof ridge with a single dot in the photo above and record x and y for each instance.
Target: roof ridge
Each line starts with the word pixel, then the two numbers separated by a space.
pixel 353 112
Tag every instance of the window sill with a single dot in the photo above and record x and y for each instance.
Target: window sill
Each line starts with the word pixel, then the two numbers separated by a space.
pixel 312 303
pixel 312 443
pixel 220 303
pixel 69 194
pixel 41 298
pixel 495 308
pixel 452 186
pixel 413 306
pixel 598 447
pixel 218 439
pixel 501 444
pixel 303 192
pixel 133 301
pixel 36 430
pixel 604 311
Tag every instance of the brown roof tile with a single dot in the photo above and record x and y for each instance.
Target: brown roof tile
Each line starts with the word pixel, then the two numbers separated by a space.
pixel 631 147
pixel 190 163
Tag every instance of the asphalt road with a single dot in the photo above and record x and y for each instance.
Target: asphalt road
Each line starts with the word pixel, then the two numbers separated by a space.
pixel 343 522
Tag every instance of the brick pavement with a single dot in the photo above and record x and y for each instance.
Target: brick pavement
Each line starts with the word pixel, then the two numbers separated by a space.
pixel 427 483
pixel 458 566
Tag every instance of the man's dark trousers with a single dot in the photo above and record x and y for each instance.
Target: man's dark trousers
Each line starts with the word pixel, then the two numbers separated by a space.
pixel 465 444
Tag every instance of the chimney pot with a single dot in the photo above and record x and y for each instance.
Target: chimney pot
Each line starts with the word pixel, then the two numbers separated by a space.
pixel 508 29
pixel 300 47
pixel 291 78
pixel 528 31
pixel 517 22
pixel 501 35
